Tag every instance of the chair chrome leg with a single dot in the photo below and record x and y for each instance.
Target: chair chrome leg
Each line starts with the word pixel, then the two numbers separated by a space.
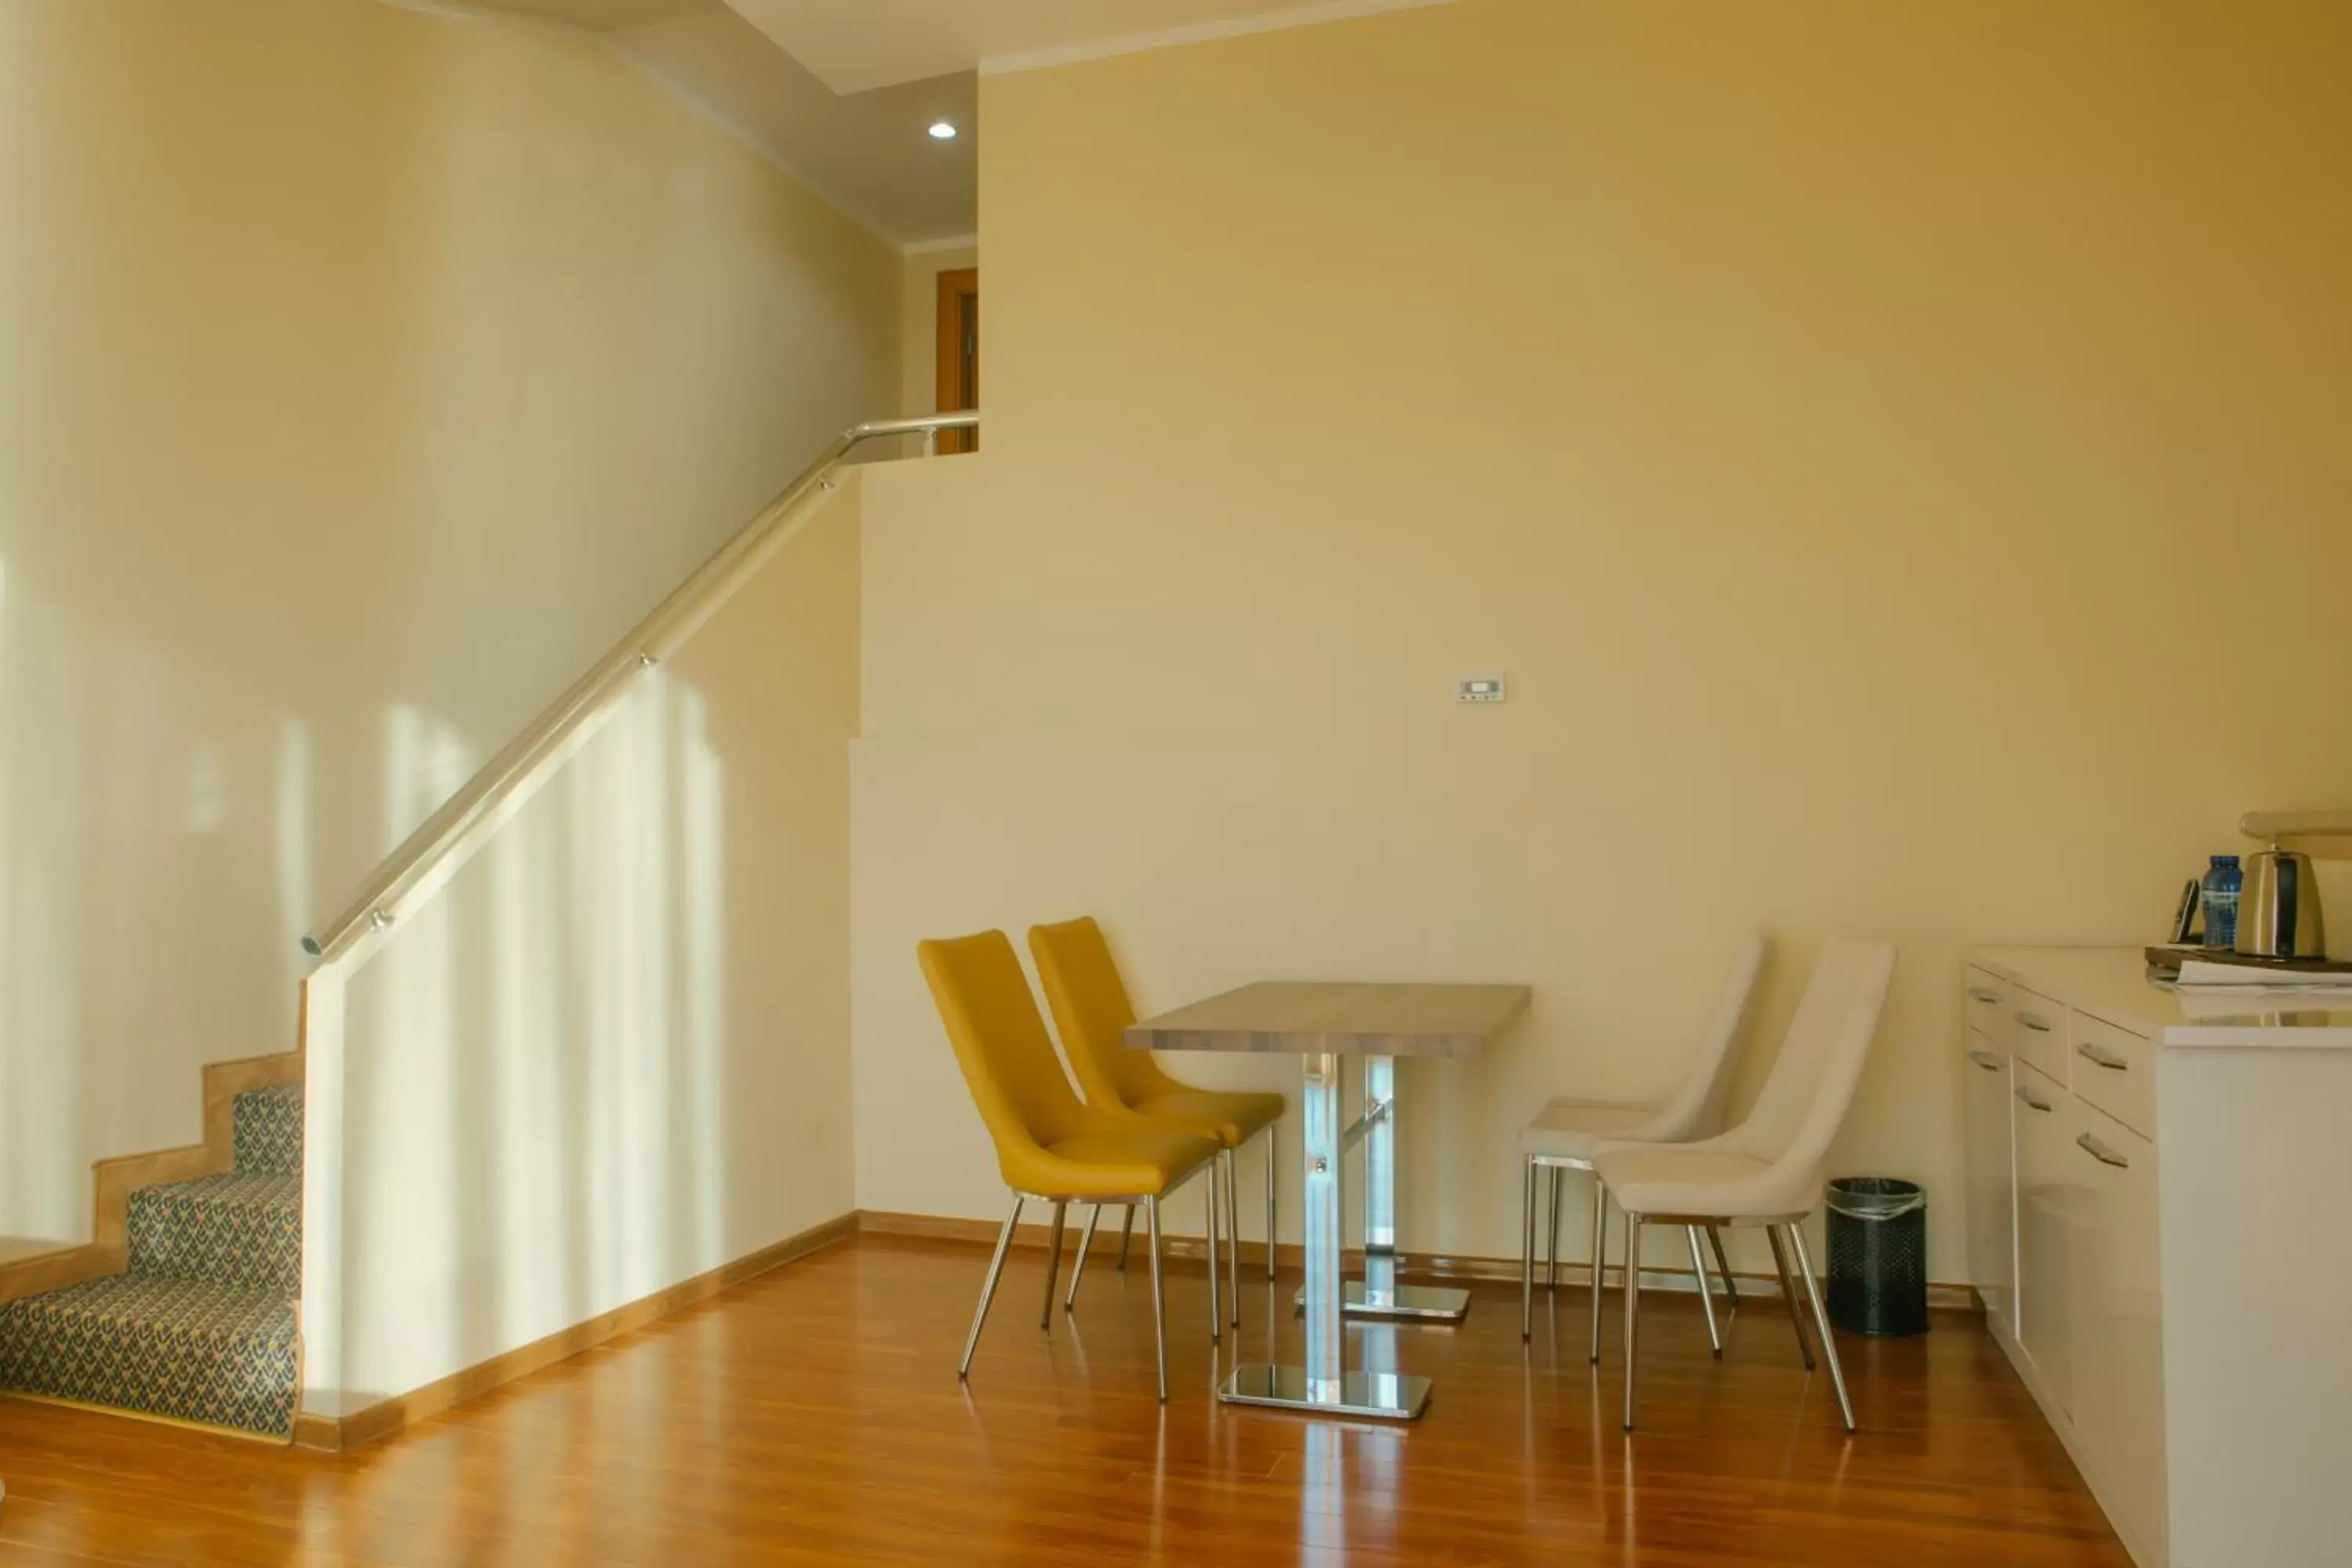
pixel 1158 1298
pixel 1821 1323
pixel 1053 1267
pixel 1233 1234
pixel 1600 1258
pixel 1706 1291
pixel 1271 1142
pixel 1528 1251
pixel 1216 1304
pixel 1085 1245
pixel 988 1288
pixel 1126 1234
pixel 1632 1306
pixel 1723 1261
pixel 1789 1293
pixel 1551 1249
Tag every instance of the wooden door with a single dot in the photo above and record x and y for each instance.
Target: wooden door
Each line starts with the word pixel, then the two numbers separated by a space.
pixel 958 385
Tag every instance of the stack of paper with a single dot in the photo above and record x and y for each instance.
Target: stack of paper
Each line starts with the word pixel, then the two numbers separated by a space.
pixel 2266 1004
pixel 2204 971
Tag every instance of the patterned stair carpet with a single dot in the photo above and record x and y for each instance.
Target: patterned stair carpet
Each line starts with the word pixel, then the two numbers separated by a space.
pixel 202 1327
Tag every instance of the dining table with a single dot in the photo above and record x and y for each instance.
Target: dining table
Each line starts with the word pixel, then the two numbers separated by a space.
pixel 1324 1023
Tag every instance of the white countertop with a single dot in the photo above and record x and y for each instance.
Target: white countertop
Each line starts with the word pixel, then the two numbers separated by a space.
pixel 2112 983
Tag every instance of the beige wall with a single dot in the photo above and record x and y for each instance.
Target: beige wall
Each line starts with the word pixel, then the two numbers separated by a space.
pixel 363 375
pixel 1889 450
pixel 612 1053
pixel 918 326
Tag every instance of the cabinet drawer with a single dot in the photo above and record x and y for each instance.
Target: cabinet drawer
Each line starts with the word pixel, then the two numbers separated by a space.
pixel 2117 1358
pixel 1991 1182
pixel 1985 1004
pixel 2038 1033
pixel 2114 1070
pixel 2049 1174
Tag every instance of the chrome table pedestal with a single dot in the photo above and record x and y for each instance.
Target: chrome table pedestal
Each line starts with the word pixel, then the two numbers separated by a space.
pixel 1379 1396
pixel 1378 1294
pixel 1323 1024
pixel 1325 1385
pixel 1401 1303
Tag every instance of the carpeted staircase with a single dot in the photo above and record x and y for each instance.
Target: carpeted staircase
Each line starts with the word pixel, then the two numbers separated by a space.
pixel 202 1327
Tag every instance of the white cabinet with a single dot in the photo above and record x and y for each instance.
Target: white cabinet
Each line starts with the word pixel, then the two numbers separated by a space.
pixel 2117 1355
pixel 2063 1226
pixel 1991 1177
pixel 2038 1033
pixel 2114 1070
pixel 1987 1006
pixel 2175 1300
pixel 2049 1174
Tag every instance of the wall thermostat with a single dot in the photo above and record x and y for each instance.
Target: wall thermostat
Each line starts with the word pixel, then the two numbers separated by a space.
pixel 1478 688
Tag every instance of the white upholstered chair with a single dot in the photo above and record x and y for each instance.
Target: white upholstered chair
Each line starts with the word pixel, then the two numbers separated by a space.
pixel 1768 1169
pixel 1562 1139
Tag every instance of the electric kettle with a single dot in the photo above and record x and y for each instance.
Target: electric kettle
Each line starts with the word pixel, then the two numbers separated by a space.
pixel 2278 909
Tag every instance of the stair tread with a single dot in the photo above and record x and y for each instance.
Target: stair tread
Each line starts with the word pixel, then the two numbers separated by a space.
pixel 269 1129
pixel 191 1349
pixel 278 1191
pixel 201 1328
pixel 165 1303
pixel 243 1229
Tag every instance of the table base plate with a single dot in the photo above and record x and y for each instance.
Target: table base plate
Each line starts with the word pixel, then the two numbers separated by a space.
pixel 1381 1396
pixel 1421 1303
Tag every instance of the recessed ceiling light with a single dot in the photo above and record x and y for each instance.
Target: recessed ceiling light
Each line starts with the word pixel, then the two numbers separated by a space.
pixel 943 131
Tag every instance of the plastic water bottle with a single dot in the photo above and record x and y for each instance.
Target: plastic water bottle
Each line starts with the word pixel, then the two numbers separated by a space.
pixel 2222 882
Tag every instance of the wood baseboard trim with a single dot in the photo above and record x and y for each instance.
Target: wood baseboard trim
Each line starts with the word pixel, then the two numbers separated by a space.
pixel 108 1251
pixel 151 1419
pixel 1291 1257
pixel 37 1273
pixel 332 1435
pixel 983 1232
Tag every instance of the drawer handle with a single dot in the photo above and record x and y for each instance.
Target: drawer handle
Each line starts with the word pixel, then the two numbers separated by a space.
pixel 2039 1025
pixel 2107 1059
pixel 1986 1060
pixel 2101 1154
pixel 2026 1095
pixel 1978 994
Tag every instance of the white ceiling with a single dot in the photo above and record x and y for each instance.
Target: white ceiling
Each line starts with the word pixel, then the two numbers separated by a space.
pixel 857 44
pixel 869 153
pixel 598 16
pixel 841 92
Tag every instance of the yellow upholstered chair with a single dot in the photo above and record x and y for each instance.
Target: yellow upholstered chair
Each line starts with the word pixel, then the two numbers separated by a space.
pixel 1092 1013
pixel 1049 1146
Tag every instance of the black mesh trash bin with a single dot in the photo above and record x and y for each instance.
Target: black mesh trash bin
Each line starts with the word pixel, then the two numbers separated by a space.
pixel 1878 1256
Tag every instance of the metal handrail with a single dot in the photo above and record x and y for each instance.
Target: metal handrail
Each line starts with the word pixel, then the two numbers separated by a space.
pixel 492 793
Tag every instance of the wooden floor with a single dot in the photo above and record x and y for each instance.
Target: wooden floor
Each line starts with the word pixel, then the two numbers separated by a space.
pixel 813 1416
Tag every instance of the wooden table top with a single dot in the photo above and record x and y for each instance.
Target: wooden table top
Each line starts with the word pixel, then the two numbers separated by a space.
pixel 1370 1018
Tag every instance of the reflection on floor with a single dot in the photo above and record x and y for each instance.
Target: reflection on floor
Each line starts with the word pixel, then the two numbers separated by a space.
pixel 813 1416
